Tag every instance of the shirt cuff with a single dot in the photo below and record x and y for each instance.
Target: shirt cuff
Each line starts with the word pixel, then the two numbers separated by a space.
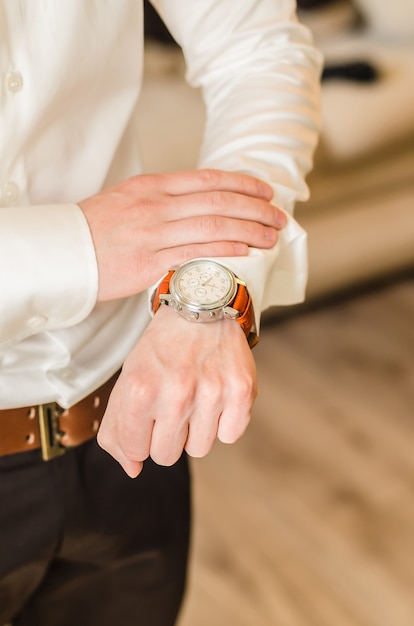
pixel 275 277
pixel 48 269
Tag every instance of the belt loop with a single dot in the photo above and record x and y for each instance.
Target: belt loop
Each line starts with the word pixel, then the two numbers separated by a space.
pixel 49 431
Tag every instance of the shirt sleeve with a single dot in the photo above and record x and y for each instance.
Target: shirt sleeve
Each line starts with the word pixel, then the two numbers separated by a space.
pixel 48 270
pixel 260 76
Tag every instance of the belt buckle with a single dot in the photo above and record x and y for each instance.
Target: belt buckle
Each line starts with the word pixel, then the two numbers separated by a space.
pixel 49 431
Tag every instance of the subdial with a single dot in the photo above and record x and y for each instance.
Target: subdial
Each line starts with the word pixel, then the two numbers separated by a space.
pixel 193 282
pixel 201 292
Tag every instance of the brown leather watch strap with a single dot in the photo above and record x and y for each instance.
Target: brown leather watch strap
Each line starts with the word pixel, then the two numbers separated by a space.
pixel 242 302
pixel 163 287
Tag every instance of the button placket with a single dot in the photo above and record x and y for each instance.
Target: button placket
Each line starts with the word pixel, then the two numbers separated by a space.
pixel 37 321
pixel 14 82
pixel 9 193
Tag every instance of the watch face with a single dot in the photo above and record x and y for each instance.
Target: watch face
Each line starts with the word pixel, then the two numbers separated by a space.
pixel 203 284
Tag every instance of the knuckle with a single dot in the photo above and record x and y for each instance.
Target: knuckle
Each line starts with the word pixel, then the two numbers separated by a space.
pixel 130 441
pixel 183 398
pixel 210 225
pixel 181 390
pixel 266 235
pixel 209 177
pixel 138 391
pixel 142 181
pixel 245 388
pixel 134 452
pixel 217 199
pixel 128 448
pixel 211 392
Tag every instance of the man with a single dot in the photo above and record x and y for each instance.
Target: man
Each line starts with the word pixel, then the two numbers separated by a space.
pixel 84 243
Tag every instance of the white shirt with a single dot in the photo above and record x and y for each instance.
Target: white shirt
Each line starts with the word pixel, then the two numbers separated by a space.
pixel 71 74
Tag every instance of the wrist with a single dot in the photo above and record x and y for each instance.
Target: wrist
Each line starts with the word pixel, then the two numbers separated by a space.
pixel 204 291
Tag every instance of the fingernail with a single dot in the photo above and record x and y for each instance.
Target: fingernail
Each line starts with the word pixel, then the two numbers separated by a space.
pixel 266 191
pixel 281 219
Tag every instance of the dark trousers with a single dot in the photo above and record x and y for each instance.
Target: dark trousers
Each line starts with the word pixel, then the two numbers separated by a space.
pixel 82 543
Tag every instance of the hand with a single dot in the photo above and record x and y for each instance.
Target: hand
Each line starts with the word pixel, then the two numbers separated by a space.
pixel 183 385
pixel 148 223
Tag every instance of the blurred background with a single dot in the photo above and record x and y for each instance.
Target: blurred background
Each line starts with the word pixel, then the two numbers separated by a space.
pixel 309 519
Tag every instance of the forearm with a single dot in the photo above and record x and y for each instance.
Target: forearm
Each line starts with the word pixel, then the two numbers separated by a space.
pixel 260 75
pixel 274 133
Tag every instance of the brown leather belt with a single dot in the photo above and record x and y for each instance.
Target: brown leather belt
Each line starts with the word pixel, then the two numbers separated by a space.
pixel 51 428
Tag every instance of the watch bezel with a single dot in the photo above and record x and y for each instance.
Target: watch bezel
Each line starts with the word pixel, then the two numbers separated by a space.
pixel 181 301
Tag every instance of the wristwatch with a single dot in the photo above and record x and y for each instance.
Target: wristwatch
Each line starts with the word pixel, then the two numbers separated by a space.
pixel 206 291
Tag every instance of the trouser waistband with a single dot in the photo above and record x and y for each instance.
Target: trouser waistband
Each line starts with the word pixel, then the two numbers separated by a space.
pixel 52 428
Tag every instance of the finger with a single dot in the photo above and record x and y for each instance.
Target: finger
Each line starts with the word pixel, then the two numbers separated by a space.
pixel 226 204
pixel 137 422
pixel 213 228
pixel 107 436
pixel 232 425
pixel 202 432
pixel 168 440
pixel 131 468
pixel 236 415
pixel 206 413
pixel 176 256
pixel 179 183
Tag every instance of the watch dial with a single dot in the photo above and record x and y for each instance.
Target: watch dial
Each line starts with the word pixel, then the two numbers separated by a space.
pixel 203 283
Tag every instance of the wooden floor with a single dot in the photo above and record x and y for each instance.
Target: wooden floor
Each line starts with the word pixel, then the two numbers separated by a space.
pixel 309 519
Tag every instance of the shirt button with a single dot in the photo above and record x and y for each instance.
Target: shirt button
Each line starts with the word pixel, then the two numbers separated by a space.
pixel 36 321
pixel 67 374
pixel 9 194
pixel 14 82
